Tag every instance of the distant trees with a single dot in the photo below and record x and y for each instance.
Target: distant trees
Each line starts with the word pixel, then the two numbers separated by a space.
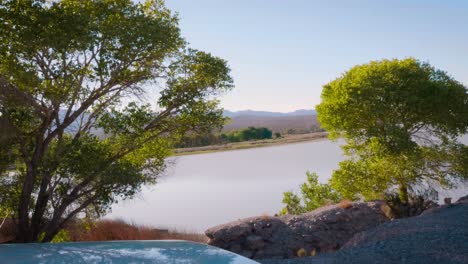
pixel 250 133
pixel 401 120
pixel 299 131
pixel 205 139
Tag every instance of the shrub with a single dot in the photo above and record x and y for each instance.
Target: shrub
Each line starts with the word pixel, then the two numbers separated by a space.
pixel 314 195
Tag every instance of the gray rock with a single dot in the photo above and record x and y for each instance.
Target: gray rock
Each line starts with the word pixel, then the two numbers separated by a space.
pixel 325 230
pixel 254 242
pixel 463 199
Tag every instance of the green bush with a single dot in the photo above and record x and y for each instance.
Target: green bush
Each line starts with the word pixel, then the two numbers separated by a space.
pixel 314 195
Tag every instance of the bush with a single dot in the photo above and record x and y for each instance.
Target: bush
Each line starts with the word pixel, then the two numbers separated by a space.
pixel 314 195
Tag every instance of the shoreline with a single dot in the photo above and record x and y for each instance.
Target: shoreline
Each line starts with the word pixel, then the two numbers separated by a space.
pixel 289 139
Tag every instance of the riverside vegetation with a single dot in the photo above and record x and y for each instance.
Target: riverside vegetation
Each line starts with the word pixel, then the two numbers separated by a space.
pixel 248 134
pixel 401 120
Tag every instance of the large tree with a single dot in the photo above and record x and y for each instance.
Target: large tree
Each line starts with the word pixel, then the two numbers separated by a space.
pixel 401 120
pixel 93 95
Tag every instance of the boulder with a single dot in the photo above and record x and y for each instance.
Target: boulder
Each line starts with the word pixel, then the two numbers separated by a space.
pixel 323 230
pixel 463 199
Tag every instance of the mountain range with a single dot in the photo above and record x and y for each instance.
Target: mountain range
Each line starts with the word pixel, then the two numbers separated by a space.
pixel 301 112
pixel 300 121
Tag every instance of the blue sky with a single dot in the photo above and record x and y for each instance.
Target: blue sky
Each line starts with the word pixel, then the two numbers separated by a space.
pixel 281 52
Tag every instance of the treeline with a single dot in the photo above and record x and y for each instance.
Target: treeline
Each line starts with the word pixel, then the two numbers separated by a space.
pixel 250 133
pixel 298 131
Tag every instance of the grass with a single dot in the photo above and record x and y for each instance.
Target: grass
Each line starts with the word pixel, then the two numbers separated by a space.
pixel 288 139
pixel 109 230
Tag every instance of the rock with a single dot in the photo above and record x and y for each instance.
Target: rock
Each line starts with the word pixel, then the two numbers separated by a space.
pixel 323 230
pixel 254 242
pixel 437 236
pixel 463 199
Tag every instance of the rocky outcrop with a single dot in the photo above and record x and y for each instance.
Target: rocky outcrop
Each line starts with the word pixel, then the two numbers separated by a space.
pixel 463 199
pixel 323 230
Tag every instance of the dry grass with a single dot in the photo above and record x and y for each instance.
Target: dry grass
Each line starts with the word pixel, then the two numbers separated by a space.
pixel 301 253
pixel 345 204
pixel 105 230
pixel 7 231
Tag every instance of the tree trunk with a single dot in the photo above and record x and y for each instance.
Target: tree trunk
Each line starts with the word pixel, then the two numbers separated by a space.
pixel 24 228
pixel 41 204
pixel 50 232
pixel 403 193
pixel 24 234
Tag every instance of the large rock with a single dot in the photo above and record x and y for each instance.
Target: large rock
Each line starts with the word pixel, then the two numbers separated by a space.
pixel 323 230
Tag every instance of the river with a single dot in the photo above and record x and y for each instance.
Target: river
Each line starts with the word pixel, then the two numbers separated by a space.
pixel 203 190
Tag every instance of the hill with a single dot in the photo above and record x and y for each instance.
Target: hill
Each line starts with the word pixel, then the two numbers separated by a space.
pixel 300 121
pixel 300 112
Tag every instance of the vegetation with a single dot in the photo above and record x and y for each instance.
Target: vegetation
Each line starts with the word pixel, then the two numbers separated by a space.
pixel 110 230
pixel 247 134
pixel 70 68
pixel 288 139
pixel 298 131
pixel 401 120
pixel 206 139
pixel 313 196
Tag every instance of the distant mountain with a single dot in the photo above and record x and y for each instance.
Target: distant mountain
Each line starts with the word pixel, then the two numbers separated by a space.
pixel 301 112
pixel 300 120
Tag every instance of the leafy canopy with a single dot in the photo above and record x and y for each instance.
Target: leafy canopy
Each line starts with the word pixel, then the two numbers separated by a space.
pixel 93 96
pixel 401 120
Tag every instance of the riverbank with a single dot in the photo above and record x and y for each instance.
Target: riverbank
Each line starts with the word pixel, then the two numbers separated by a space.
pixel 288 139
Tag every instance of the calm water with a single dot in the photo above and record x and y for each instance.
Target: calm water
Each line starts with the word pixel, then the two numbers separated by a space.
pixel 204 190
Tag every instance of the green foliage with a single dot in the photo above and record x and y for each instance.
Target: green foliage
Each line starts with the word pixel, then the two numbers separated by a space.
pixel 250 133
pixel 205 139
pixel 400 120
pixel 69 144
pixel 62 236
pixel 313 196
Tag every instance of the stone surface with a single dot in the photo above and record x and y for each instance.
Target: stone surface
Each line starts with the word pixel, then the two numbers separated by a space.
pixel 324 230
pixel 463 199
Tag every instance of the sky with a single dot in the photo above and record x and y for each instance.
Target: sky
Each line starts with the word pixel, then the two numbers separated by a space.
pixel 281 52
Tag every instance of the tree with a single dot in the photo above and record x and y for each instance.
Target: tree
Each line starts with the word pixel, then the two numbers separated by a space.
pixel 401 120
pixel 313 196
pixel 77 129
